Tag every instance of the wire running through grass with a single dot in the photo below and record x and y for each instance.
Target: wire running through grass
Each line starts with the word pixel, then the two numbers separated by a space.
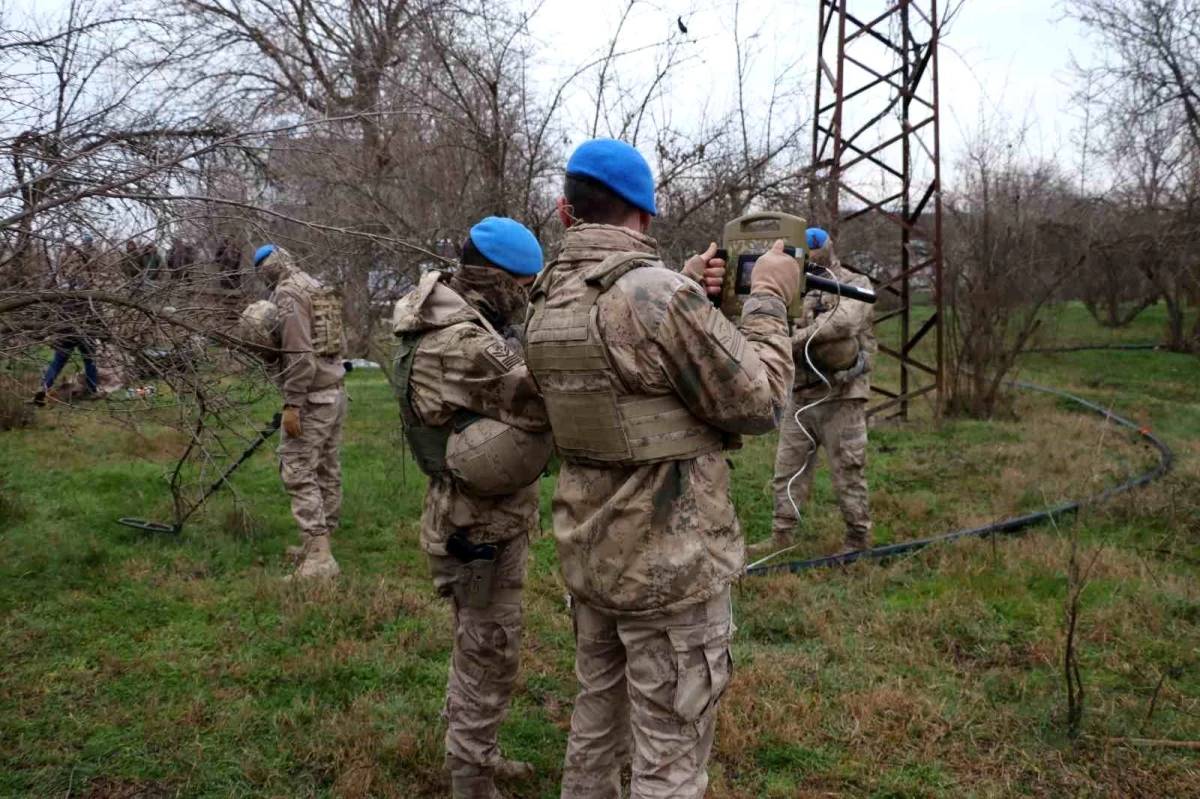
pixel 1008 526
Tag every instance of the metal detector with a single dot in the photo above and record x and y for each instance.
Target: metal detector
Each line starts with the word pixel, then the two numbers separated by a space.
pixel 159 527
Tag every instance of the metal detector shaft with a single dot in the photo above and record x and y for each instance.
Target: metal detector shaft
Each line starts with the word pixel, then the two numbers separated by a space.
pixel 157 527
pixel 258 442
pixel 812 282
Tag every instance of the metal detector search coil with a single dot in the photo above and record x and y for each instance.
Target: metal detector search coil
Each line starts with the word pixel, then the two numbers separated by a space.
pixel 159 527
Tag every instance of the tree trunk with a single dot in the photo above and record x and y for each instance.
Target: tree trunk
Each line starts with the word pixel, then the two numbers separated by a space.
pixel 360 320
pixel 1176 338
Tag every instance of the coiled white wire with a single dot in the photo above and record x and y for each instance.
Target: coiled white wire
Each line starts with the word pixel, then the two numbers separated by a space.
pixel 828 393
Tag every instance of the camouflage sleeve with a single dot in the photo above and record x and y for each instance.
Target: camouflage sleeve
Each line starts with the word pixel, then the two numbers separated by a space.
pixel 737 379
pixel 485 375
pixel 295 317
pixel 845 318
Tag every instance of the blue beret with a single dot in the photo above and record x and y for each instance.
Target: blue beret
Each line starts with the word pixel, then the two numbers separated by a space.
pixel 617 166
pixel 508 244
pixel 816 238
pixel 262 252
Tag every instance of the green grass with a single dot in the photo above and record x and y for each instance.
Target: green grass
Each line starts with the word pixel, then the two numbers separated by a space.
pixel 157 665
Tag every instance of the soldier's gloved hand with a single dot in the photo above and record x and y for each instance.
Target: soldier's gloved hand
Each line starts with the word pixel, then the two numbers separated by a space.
pixel 801 335
pixel 706 269
pixel 857 370
pixel 291 421
pixel 776 273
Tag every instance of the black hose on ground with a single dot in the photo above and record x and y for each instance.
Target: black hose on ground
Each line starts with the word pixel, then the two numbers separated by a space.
pixel 1166 459
pixel 1089 347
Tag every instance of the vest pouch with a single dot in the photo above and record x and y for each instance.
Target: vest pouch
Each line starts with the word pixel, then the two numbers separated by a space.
pixel 587 424
pixel 327 327
pixel 477 579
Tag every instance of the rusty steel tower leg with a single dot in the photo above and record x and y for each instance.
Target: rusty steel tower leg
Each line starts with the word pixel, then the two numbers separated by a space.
pixel 876 152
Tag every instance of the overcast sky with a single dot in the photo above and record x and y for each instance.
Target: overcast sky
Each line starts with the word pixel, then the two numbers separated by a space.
pixel 1002 59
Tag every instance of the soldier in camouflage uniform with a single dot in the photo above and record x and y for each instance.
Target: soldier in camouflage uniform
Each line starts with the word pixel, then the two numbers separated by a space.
pixel 315 404
pixel 841 343
pixel 647 384
pixel 457 371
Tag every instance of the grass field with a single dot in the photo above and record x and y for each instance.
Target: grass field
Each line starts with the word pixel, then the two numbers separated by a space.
pixel 144 665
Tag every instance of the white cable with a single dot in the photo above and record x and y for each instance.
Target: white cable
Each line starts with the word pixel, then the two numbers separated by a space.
pixel 828 393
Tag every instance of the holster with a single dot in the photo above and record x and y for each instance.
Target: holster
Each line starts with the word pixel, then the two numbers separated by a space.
pixel 476 574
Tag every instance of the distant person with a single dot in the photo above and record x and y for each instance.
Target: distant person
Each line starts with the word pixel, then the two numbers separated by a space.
pixel 229 261
pixel 314 405
pixel 73 275
pixel 141 264
pixel 180 259
pixel 131 262
pixel 840 337
pixel 476 425
pixel 152 263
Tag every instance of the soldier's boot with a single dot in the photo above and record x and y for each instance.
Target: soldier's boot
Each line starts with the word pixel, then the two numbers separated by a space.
pixel 855 541
pixel 473 786
pixel 514 770
pixel 296 553
pixel 506 771
pixel 318 562
pixel 782 537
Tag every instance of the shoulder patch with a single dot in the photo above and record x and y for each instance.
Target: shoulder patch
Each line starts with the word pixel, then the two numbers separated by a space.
pixel 499 353
pixel 726 334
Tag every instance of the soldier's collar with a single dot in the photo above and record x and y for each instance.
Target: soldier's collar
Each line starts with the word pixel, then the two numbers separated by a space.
pixel 608 237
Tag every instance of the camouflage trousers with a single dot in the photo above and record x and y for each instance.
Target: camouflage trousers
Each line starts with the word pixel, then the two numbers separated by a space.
pixel 483 666
pixel 310 464
pixel 840 426
pixel 657 682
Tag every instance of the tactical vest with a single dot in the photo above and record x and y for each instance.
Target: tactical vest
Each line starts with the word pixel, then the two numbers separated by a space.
pixel 327 327
pixel 595 418
pixel 428 443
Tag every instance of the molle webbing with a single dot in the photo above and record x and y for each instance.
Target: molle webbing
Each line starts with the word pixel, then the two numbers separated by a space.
pixel 591 422
pixel 327 327
pixel 428 443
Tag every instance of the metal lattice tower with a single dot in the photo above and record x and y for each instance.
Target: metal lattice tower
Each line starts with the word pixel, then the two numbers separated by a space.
pixel 876 158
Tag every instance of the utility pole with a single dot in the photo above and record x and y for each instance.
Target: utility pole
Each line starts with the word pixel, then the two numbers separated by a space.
pixel 876 157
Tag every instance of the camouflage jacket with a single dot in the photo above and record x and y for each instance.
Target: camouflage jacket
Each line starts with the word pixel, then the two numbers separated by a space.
pixel 303 371
pixel 651 540
pixel 461 365
pixel 842 319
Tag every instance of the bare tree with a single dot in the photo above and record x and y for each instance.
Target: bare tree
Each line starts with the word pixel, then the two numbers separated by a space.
pixel 1148 66
pixel 1002 265
pixel 315 60
pixel 733 161
pixel 1151 44
pixel 86 116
